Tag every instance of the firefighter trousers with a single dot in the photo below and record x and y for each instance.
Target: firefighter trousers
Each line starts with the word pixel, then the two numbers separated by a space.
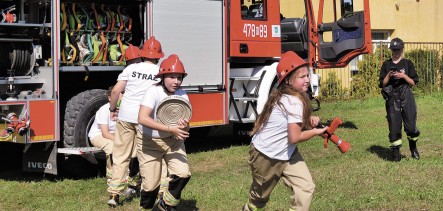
pixel 126 135
pixel 106 145
pixel 266 172
pixel 401 108
pixel 151 152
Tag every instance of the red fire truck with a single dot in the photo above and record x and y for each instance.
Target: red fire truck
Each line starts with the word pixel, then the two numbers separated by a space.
pixel 58 57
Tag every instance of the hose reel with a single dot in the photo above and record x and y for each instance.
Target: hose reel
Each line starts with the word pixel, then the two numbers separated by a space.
pixel 18 59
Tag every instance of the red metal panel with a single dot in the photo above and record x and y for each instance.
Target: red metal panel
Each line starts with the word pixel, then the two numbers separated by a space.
pixel 42 116
pixel 262 37
pixel 256 49
pixel 207 109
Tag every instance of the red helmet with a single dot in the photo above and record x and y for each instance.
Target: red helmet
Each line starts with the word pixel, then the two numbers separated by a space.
pixel 289 62
pixel 132 52
pixel 172 65
pixel 152 49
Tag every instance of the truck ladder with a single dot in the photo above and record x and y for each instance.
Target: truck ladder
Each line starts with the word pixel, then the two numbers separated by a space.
pixel 249 99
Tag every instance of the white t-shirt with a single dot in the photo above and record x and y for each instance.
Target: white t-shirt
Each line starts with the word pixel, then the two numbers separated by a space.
pixel 152 98
pixel 102 117
pixel 139 77
pixel 272 140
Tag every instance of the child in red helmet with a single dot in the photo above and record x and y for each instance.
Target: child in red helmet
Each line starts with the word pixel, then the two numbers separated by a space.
pixel 133 81
pixel 163 142
pixel 284 122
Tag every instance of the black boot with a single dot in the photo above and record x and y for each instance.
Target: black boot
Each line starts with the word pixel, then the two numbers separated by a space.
pixel 413 148
pixel 147 198
pixel 396 155
pixel 161 205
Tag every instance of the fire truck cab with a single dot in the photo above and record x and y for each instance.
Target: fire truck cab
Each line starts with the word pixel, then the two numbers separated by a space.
pixel 57 58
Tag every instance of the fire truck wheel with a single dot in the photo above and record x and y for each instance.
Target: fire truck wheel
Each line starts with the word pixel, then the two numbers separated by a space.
pixel 79 116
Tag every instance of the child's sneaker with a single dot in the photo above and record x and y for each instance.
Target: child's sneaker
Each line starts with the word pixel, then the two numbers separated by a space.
pixel 130 193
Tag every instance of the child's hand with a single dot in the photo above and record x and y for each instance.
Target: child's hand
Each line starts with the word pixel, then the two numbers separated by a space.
pixel 184 123
pixel 398 75
pixel 391 73
pixel 315 120
pixel 179 132
pixel 321 131
pixel 114 115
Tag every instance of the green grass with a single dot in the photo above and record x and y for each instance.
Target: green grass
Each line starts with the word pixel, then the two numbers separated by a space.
pixel 362 179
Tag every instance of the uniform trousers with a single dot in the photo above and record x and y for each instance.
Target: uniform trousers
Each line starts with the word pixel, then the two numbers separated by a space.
pixel 266 172
pixel 126 136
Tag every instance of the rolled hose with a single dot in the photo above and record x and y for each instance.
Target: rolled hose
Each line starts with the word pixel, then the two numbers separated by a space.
pixel 173 108
pixel 18 57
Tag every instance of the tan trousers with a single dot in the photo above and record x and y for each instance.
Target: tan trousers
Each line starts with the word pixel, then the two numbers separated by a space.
pixel 126 135
pixel 152 151
pixel 106 145
pixel 164 181
pixel 266 173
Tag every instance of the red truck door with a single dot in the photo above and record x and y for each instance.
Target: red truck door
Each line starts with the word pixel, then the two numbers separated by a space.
pixel 349 36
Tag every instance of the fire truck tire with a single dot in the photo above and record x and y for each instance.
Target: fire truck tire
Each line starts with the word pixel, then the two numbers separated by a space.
pixel 79 116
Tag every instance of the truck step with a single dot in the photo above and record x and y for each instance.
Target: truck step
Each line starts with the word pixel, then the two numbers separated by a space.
pixel 242 120
pixel 245 98
pixel 79 150
pixel 245 78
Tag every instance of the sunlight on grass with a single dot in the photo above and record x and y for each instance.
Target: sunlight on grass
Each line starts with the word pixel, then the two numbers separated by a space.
pixel 362 179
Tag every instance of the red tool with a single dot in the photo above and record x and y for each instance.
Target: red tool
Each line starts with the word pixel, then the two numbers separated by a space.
pixel 329 134
pixel 16 124
pixel 7 16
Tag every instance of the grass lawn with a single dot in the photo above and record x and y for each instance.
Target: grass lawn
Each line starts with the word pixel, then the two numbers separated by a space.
pixel 362 179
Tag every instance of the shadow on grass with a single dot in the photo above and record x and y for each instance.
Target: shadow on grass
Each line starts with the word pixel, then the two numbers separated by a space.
pixel 346 124
pixel 384 153
pixel 78 168
pixel 221 137
pixel 211 143
pixel 190 205
pixel 349 125
pixel 85 170
pixel 16 174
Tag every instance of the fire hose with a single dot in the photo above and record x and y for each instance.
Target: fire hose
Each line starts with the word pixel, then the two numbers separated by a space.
pixel 173 108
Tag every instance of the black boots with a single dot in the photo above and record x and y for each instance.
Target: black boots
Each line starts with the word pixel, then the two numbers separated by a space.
pixel 413 148
pixel 396 155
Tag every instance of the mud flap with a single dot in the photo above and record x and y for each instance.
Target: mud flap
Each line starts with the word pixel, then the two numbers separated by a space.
pixel 40 157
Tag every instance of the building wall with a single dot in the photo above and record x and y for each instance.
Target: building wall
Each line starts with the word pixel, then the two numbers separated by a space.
pixel 411 20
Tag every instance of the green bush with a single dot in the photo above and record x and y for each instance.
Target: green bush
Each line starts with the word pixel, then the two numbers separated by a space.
pixel 332 88
pixel 365 82
pixel 427 64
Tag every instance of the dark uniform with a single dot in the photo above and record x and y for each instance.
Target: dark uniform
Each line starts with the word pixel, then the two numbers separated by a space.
pixel 400 102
